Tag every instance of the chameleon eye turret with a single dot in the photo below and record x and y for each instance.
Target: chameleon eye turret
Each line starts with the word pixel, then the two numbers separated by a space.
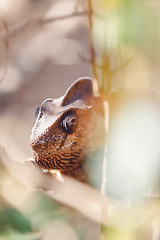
pixel 69 122
pixel 37 112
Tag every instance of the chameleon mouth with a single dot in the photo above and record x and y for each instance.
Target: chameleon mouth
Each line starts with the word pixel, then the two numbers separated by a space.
pixel 44 161
pixel 33 145
pixel 39 149
pixel 57 162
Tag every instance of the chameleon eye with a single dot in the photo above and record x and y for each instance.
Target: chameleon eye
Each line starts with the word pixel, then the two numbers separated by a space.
pixel 37 112
pixel 69 122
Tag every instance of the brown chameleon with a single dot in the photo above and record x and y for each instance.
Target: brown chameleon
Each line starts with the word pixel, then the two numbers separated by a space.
pixel 68 130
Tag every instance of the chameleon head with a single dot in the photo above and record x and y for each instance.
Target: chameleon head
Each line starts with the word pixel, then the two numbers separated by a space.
pixel 64 130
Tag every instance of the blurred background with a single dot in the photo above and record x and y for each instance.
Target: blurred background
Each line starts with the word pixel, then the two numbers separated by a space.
pixel 40 56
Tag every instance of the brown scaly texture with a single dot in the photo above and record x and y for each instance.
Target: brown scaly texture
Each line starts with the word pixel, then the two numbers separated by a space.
pixel 57 146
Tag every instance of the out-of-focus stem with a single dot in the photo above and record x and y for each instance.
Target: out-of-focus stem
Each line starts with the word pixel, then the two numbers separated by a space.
pixel 33 23
pixel 90 12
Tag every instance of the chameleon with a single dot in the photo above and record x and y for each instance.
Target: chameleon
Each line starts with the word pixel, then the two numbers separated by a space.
pixel 69 130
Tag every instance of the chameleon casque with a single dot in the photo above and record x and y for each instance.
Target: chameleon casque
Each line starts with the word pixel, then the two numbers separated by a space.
pixel 68 130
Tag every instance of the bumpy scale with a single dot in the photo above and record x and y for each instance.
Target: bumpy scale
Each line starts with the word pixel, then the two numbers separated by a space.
pixel 68 130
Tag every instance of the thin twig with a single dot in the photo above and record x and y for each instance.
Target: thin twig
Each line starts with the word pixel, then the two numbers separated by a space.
pixel 30 23
pixel 53 19
pixel 90 12
pixel 5 27
pixel 124 65
pixel 86 60
pixel 89 61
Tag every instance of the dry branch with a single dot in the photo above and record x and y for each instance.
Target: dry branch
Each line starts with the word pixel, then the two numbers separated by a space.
pixel 81 197
pixel 29 24
pixel 70 192
pixel 92 50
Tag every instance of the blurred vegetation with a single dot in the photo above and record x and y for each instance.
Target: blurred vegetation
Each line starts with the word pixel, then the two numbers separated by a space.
pixel 123 31
pixel 123 51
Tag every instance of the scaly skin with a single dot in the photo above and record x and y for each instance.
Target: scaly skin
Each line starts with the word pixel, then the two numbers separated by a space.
pixel 57 146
